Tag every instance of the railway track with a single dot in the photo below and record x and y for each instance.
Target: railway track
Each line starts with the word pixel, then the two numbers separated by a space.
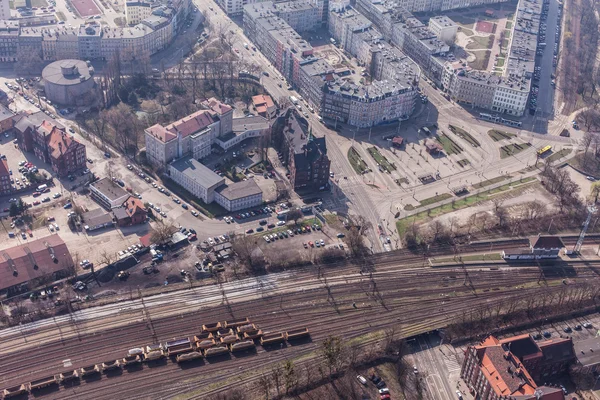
pixel 403 305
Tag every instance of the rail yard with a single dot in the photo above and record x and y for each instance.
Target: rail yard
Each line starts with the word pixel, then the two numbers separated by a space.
pixel 354 301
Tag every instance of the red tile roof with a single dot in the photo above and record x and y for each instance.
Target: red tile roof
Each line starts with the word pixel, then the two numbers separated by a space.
pixel 133 206
pixel 33 259
pixel 60 142
pixel 161 133
pixel 192 123
pixel 262 100
pixel 4 168
pixel 217 106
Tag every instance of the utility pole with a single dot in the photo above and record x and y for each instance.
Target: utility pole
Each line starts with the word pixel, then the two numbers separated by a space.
pixel 147 315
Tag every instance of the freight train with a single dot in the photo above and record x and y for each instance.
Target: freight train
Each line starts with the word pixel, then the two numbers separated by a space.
pixel 214 340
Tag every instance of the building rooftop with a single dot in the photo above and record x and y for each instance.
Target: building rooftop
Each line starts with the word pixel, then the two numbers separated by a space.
pixel 109 189
pixel 588 351
pixel 66 72
pixel 354 19
pixel 197 172
pixel 192 123
pixel 33 259
pixel 5 113
pixel 255 122
pixel 133 206
pixel 161 133
pixel 549 242
pixel 443 20
pixel 96 217
pixel 239 190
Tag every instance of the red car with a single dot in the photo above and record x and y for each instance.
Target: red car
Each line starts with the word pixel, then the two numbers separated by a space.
pixel 192 237
pixel 46 190
pixel 35 203
pixel 36 194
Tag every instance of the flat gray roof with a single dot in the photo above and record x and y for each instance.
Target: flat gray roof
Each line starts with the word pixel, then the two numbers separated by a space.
pixel 239 190
pixel 196 171
pixel 584 355
pixel 66 72
pixel 109 189
pixel 250 123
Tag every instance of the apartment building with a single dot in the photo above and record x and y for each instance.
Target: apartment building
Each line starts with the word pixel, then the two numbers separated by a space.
pixel 301 15
pixel 9 40
pixel 428 47
pixel 136 11
pixel 153 30
pixel 500 369
pixel 444 28
pixel 4 10
pixel 66 154
pixel 5 186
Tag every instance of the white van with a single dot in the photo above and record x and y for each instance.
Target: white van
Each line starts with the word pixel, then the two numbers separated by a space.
pixel 362 379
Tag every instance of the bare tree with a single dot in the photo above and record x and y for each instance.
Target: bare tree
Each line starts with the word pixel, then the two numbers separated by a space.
pixel 162 232
pixel 332 350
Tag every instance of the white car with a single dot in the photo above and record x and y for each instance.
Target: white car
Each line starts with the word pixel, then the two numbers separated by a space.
pixel 280 223
pixel 267 239
pixel 56 227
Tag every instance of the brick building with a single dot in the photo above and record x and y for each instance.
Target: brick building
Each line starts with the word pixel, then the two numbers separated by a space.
pixel 5 186
pixel 135 210
pixel 306 155
pixel 502 369
pixel 50 143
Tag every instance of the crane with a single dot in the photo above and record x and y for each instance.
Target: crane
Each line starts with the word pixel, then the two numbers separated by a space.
pixel 584 228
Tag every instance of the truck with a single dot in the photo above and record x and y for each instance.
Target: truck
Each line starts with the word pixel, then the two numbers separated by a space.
pixel 156 255
pixel 293 99
pixel 42 188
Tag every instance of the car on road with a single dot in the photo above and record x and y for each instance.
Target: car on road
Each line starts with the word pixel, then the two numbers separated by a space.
pixel 459 394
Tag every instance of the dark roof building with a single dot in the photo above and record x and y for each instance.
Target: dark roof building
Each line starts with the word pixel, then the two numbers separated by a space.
pixel 38 258
pixel 305 154
pixel 97 219
pixel 547 247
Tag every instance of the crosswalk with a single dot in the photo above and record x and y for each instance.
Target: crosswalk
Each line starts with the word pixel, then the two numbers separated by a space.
pixel 452 364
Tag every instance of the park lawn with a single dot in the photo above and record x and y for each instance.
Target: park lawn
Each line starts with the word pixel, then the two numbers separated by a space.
pixel 482 58
pixel 497 135
pixel 356 161
pixel 512 149
pixel 403 224
pixel 467 32
pixel 558 155
pixel 380 159
pixel 490 181
pixel 465 135
pixel 481 42
pixel 509 24
pixel 450 147
pixel 500 62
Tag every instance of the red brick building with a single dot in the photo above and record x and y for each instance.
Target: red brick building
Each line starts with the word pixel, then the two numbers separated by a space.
pixel 132 212
pixel 5 186
pixel 66 154
pixel 500 369
pixel 50 143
